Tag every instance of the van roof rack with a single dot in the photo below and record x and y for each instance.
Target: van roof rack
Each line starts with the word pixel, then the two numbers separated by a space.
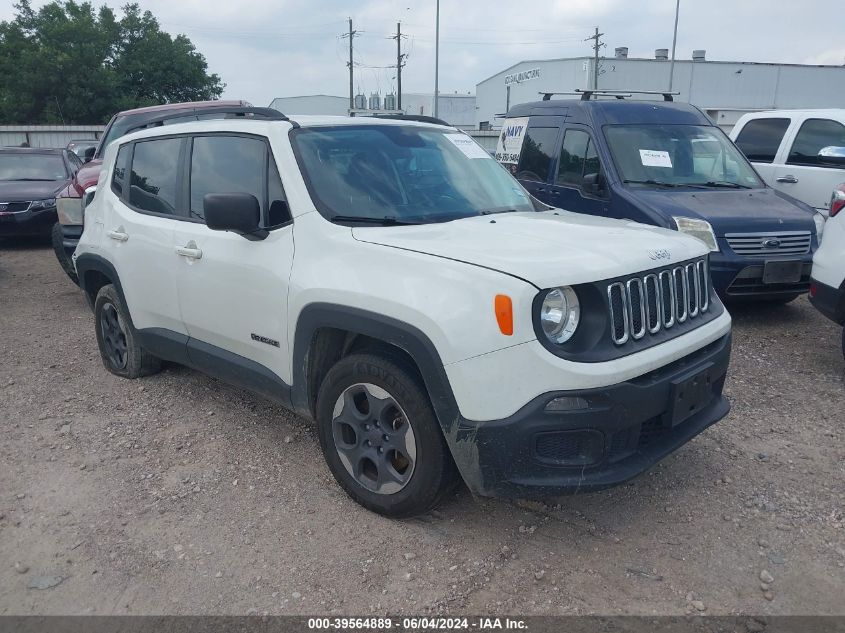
pixel 420 118
pixel 246 112
pixel 621 94
pixel 548 95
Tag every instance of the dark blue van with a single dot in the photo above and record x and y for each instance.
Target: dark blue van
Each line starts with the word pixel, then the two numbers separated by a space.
pixel 667 164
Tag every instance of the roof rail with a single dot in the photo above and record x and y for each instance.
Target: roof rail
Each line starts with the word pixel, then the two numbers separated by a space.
pixel 548 95
pixel 420 118
pixel 621 94
pixel 266 114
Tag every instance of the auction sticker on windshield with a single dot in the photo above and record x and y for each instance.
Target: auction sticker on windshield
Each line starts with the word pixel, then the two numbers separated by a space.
pixel 655 158
pixel 469 147
pixel 510 140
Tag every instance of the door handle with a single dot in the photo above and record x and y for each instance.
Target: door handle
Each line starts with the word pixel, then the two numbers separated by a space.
pixel 790 179
pixel 190 250
pixel 118 235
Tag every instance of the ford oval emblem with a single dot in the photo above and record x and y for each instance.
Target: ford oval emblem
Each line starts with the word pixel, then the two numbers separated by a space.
pixel 771 243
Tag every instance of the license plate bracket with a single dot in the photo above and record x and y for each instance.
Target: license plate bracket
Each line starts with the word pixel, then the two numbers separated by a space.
pixel 782 272
pixel 690 394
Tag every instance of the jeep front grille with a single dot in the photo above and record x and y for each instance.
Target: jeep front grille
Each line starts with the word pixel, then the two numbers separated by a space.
pixel 641 306
pixel 773 243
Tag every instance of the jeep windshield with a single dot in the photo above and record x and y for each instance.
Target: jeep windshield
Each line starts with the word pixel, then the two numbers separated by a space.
pixel 662 156
pixel 394 175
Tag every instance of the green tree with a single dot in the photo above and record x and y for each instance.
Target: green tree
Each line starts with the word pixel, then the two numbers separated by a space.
pixel 71 62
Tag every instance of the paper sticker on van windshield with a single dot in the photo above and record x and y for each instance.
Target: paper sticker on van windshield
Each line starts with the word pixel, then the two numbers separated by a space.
pixel 655 158
pixel 469 147
pixel 510 140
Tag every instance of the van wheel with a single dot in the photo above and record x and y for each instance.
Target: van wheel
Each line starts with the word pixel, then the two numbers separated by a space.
pixel 61 254
pixel 381 438
pixel 117 339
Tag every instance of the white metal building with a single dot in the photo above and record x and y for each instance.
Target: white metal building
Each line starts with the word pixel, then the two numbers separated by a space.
pixel 47 135
pixel 456 109
pixel 725 90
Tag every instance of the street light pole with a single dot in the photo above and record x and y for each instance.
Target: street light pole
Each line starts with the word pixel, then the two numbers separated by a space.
pixel 436 58
pixel 674 41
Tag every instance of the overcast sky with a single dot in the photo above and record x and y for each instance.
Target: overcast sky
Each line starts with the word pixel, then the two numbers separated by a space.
pixel 273 48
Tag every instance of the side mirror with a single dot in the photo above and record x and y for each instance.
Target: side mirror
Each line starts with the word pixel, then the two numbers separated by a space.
pixel 236 212
pixel 832 155
pixel 594 183
pixel 88 155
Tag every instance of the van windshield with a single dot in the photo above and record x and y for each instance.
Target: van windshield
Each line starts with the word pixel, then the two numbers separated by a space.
pixel 678 156
pixel 394 174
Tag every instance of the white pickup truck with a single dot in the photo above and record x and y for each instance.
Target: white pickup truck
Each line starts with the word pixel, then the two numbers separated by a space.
pixel 786 148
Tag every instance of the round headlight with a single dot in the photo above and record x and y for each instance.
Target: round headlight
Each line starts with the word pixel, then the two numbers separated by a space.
pixel 560 314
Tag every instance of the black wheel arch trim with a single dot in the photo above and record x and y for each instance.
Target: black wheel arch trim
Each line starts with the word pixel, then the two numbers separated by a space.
pixel 406 337
pixel 88 262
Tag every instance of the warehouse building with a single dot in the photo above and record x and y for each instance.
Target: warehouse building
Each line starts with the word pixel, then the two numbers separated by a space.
pixel 456 109
pixel 725 90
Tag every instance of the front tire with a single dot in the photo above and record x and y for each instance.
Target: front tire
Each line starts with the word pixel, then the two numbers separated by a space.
pixel 381 438
pixel 117 339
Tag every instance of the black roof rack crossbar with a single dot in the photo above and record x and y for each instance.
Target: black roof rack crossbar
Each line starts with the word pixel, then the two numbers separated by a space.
pixel 621 94
pixel 548 95
pixel 420 118
pixel 265 114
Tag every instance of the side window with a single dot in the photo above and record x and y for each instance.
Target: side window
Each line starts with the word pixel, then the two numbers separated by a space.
pixel 152 181
pixel 760 138
pixel 536 158
pixel 227 164
pixel 118 176
pixel 570 170
pixel 812 137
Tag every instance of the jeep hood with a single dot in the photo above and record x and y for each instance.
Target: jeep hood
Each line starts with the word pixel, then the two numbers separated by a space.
pixel 547 248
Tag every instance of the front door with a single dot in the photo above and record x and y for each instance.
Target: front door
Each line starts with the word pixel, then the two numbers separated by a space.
pixel 579 183
pixel 804 175
pixel 233 292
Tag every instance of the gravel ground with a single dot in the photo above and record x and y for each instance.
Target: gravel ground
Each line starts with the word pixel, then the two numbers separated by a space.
pixel 176 494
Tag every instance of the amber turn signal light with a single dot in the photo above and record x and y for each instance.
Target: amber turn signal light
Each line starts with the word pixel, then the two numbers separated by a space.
pixel 503 307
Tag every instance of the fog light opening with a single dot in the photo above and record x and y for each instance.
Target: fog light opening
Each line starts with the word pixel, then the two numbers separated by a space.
pixel 567 403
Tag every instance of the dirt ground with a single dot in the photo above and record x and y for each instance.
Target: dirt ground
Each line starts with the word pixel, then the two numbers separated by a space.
pixel 176 494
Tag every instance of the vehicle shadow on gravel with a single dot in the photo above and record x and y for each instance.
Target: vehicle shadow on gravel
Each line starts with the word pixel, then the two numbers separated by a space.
pixel 761 312
pixel 24 243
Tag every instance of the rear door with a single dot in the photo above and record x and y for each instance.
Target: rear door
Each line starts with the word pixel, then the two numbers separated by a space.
pixel 233 292
pixel 579 183
pixel 802 174
pixel 139 222
pixel 761 141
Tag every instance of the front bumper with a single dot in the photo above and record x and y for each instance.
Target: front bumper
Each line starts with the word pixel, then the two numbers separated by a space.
pixel 739 276
pixel 70 237
pixel 28 223
pixel 625 429
pixel 828 300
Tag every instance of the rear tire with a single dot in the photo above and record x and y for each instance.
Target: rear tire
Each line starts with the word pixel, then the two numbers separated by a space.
pixel 58 247
pixel 381 438
pixel 117 338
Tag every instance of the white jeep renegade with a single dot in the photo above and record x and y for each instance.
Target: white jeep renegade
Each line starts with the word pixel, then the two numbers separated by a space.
pixel 390 280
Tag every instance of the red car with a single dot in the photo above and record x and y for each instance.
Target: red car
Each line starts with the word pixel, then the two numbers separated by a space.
pixel 70 202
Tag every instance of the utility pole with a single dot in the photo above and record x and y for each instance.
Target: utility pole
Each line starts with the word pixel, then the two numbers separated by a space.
pixel 597 44
pixel 350 35
pixel 436 58
pixel 399 63
pixel 674 41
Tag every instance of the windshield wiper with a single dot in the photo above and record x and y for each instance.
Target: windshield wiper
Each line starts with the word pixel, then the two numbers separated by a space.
pixel 718 183
pixel 387 220
pixel 492 211
pixel 657 183
pixel 29 179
